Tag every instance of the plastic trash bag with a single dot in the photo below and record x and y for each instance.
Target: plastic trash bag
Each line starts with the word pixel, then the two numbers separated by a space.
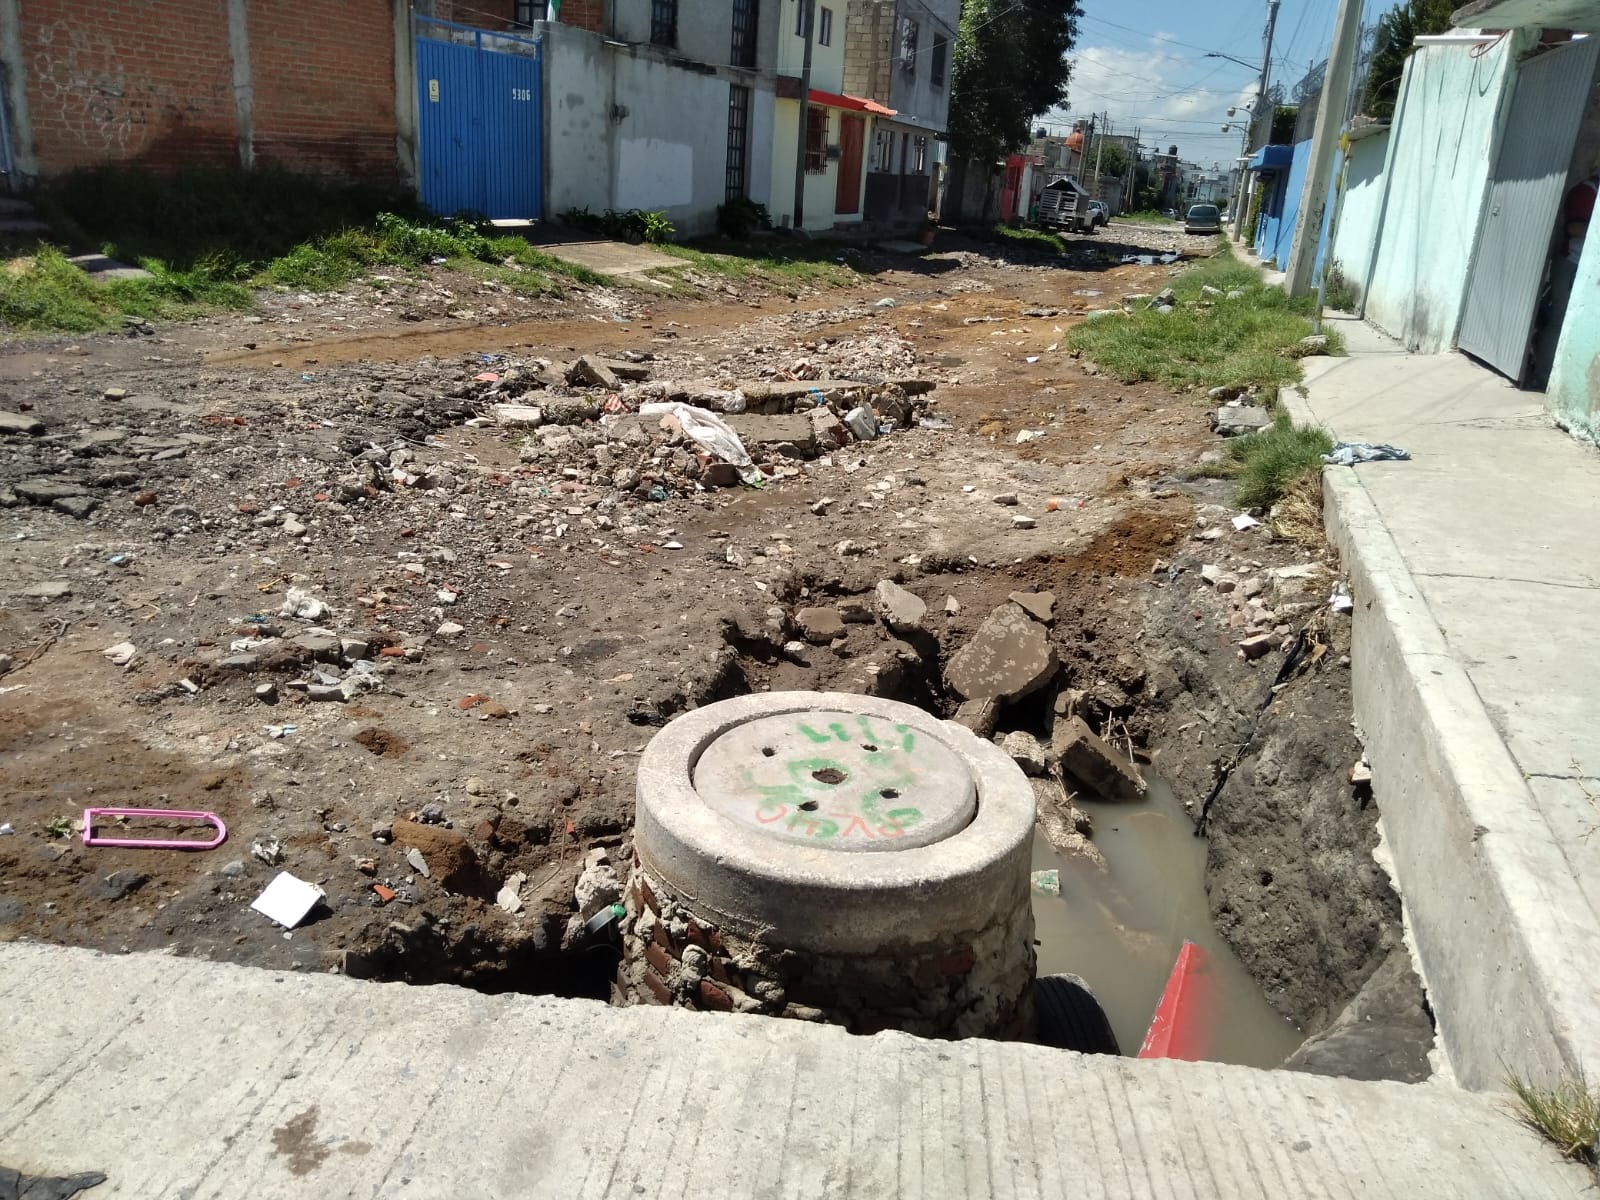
pixel 710 431
pixel 1348 454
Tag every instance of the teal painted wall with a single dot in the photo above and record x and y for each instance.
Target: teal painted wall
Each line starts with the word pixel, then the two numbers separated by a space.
pixel 1363 205
pixel 1438 164
pixel 1573 395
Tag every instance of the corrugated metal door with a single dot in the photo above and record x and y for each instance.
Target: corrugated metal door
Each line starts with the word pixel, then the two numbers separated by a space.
pixel 479 127
pixel 511 169
pixel 1514 238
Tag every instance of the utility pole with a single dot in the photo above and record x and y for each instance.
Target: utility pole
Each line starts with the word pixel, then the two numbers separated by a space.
pixel 810 9
pixel 1099 150
pixel 1336 85
pixel 1256 115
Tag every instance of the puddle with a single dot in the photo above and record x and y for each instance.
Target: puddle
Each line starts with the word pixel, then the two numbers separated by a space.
pixel 1150 260
pixel 1121 930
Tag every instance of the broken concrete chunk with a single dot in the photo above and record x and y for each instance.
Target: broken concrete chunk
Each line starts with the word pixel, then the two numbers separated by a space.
pixel 517 416
pixel 1027 751
pixel 902 611
pixel 590 370
pixel 1090 762
pixel 598 887
pixel 11 422
pixel 49 589
pixel 979 716
pixel 819 626
pixel 854 611
pixel 1058 820
pixel 1009 657
pixel 1041 606
pixel 1232 420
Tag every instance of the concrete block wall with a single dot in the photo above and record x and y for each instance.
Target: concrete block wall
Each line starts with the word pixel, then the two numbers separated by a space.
pixel 971 984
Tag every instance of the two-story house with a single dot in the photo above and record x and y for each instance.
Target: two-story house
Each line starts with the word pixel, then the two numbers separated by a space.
pixel 838 125
pixel 897 53
pixel 667 106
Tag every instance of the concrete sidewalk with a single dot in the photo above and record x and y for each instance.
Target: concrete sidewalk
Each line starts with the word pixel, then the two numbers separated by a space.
pixel 1477 687
pixel 181 1078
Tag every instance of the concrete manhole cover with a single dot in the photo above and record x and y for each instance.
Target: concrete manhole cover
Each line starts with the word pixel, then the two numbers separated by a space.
pixel 840 780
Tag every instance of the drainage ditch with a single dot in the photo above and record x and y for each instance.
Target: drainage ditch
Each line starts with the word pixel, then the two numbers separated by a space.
pixel 1282 893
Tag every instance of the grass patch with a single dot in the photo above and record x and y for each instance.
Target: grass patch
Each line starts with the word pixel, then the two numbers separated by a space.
pixel 1039 240
pixel 813 264
pixel 208 236
pixel 1242 342
pixel 1568 1114
pixel 1272 461
pixel 46 293
pixel 1148 216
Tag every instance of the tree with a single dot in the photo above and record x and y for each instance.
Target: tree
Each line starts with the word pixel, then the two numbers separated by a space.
pixel 1010 66
pixel 1109 157
pixel 1397 30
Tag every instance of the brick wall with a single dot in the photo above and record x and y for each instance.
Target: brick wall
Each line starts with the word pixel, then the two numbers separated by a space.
pixel 323 74
pixel 151 82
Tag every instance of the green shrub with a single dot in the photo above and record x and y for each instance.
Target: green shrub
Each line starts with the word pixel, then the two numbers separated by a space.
pixel 1274 459
pixel 738 219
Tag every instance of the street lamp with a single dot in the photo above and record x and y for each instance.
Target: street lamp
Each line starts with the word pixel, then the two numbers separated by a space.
pixel 1231 58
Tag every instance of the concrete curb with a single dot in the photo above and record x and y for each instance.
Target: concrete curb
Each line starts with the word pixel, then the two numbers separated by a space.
pixel 1504 935
pixel 178 1077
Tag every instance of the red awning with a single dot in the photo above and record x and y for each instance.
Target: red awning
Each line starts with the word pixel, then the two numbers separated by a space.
pixel 853 103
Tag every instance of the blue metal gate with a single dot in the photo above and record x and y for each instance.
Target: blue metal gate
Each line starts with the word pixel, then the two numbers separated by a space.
pixel 479 127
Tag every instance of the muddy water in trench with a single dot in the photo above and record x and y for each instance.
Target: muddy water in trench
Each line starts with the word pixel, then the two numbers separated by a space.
pixel 1121 929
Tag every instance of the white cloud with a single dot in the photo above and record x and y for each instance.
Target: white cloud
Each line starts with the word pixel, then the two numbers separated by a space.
pixel 1168 94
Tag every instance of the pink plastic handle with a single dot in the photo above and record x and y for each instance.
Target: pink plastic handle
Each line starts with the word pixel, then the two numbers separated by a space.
pixel 89 815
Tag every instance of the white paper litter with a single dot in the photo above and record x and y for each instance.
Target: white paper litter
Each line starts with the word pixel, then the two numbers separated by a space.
pixel 1244 521
pixel 287 900
pixel 121 654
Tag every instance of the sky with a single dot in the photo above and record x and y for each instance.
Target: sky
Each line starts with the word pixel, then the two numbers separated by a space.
pixel 1144 64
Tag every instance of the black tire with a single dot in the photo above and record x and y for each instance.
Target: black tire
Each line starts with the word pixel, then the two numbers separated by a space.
pixel 1070 1018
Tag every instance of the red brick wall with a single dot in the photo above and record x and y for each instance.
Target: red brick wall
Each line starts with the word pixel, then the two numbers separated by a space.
pixel 113 81
pixel 151 81
pixel 323 74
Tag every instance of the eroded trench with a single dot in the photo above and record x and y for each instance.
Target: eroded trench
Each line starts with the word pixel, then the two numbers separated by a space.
pixel 1281 891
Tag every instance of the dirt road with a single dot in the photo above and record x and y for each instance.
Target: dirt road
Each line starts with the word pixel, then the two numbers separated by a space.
pixel 510 615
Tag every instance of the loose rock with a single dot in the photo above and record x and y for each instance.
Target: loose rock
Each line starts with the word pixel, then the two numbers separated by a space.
pixel 1009 657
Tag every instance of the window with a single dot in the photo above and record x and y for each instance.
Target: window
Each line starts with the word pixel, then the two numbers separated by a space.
pixel 908 45
pixel 664 22
pixel 941 58
pixel 816 141
pixel 825 27
pixel 800 9
pixel 744 34
pixel 919 157
pixel 529 11
pixel 738 140
pixel 883 151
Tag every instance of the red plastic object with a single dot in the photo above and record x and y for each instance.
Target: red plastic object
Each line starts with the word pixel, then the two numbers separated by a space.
pixel 179 814
pixel 1185 1022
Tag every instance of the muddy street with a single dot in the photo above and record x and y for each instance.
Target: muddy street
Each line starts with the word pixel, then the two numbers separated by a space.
pixel 407 638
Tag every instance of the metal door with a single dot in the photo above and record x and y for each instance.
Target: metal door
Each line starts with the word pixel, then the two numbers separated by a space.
pixel 479 128
pixel 1524 195
pixel 852 144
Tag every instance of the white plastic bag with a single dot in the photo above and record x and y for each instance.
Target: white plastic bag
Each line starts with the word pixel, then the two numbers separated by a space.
pixel 710 431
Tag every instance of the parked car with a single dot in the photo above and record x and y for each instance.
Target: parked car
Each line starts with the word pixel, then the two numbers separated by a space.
pixel 1202 218
pixel 1099 214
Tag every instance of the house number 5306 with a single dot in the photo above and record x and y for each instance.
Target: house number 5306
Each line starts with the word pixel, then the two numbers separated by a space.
pixel 522 93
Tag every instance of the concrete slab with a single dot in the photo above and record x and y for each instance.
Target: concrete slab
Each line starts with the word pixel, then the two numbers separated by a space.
pixel 180 1077
pixel 1477 682
pixel 610 258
